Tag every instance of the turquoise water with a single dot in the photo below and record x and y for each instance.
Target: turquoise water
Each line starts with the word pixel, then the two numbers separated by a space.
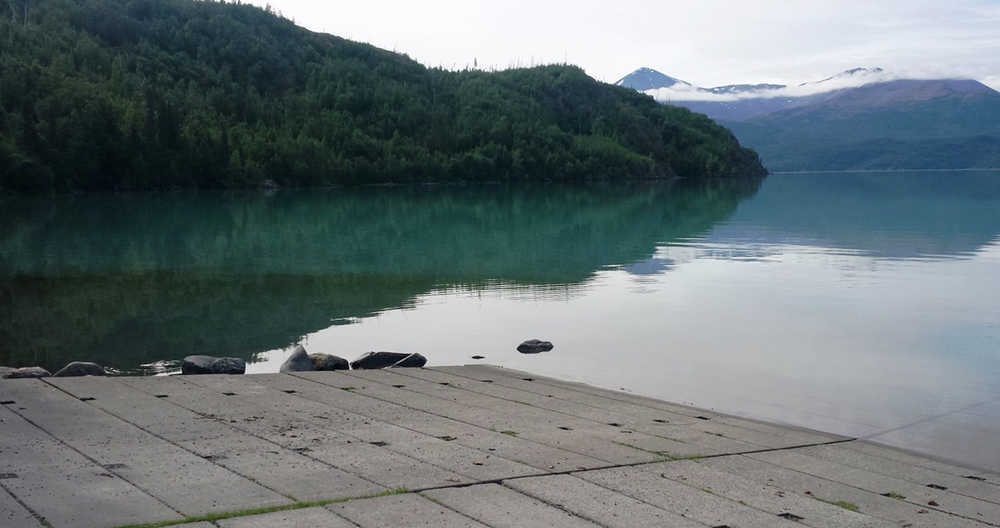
pixel 853 303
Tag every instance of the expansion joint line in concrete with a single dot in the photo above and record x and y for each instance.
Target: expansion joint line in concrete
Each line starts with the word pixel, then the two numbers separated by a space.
pixel 498 481
pixel 93 460
pixel 38 517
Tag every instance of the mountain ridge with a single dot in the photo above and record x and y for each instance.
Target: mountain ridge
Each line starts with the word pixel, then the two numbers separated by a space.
pixel 867 119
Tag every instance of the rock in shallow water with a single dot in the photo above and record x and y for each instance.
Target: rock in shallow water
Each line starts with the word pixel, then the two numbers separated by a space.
pixel 80 368
pixel 213 365
pixel 27 372
pixel 329 362
pixel 377 360
pixel 298 362
pixel 534 346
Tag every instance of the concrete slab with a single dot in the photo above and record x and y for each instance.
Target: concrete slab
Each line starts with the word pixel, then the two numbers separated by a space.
pixel 99 452
pixel 522 422
pixel 471 463
pixel 285 471
pixel 802 436
pixel 769 498
pixel 919 494
pixel 873 504
pixel 631 418
pixel 632 415
pixel 541 425
pixel 404 511
pixel 313 433
pixel 502 507
pixel 694 503
pixel 600 505
pixel 532 454
pixel 61 485
pixel 842 454
pixel 304 518
pixel 968 443
pixel 187 483
pixel 13 514
pixel 923 461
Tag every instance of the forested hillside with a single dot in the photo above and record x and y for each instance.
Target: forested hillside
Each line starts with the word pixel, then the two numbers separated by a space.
pixel 141 94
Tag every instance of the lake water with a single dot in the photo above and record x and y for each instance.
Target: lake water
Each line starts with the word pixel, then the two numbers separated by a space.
pixel 861 304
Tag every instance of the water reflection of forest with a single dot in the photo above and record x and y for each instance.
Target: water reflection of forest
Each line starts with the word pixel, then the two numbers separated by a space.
pixel 127 279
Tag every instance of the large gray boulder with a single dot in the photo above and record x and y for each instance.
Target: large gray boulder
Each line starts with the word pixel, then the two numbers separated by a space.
pixel 534 346
pixel 80 368
pixel 213 365
pixel 378 360
pixel 298 362
pixel 329 362
pixel 28 372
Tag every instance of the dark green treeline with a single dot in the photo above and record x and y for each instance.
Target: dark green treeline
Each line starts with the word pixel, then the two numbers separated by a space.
pixel 162 94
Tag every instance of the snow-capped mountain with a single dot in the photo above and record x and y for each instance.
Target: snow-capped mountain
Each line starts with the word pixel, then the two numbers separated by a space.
pixel 858 118
pixel 853 75
pixel 669 89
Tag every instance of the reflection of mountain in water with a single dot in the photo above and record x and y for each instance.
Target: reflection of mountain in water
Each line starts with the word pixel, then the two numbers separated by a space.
pixel 126 279
pixel 883 215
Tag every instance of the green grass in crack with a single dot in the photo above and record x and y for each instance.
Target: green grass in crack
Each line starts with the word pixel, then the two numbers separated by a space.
pixel 212 517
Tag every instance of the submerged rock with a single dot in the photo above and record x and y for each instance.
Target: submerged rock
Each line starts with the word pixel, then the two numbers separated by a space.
pixel 534 346
pixel 378 360
pixel 213 365
pixel 297 362
pixel 80 368
pixel 329 362
pixel 27 372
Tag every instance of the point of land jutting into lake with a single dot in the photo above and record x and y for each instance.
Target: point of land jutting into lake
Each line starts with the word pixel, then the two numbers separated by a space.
pixel 472 446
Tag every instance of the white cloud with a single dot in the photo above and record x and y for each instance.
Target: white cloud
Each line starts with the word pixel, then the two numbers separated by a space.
pixel 712 41
pixel 838 82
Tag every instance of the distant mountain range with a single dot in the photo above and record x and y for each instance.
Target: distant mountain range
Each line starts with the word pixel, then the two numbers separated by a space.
pixel 863 118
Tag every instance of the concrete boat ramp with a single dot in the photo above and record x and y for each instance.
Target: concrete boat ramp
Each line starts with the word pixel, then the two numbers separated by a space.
pixel 470 446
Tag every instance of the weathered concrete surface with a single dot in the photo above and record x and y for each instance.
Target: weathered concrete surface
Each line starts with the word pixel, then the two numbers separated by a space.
pixel 14 514
pixel 455 446
pixel 304 518
pixel 502 507
pixel 402 510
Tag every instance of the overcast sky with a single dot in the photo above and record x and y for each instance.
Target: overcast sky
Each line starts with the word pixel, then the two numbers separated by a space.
pixel 705 42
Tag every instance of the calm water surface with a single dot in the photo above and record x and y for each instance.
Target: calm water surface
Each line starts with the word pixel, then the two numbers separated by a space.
pixel 862 304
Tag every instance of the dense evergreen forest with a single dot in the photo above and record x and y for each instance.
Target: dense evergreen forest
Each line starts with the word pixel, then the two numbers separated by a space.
pixel 159 94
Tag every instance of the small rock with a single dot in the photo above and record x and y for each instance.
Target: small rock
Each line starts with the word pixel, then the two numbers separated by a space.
pixel 478 357
pixel 80 368
pixel 297 362
pixel 213 365
pixel 378 360
pixel 534 346
pixel 28 372
pixel 329 362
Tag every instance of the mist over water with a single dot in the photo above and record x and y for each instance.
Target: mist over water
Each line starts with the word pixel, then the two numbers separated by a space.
pixel 852 303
